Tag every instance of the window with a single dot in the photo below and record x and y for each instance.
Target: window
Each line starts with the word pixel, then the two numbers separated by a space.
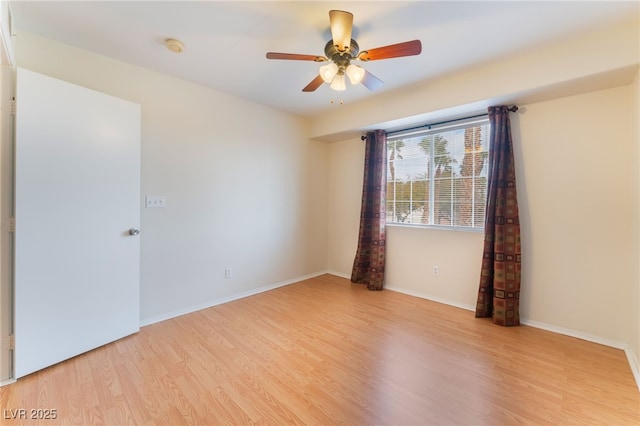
pixel 439 176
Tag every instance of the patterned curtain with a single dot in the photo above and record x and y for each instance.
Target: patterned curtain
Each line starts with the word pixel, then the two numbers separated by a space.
pixel 499 293
pixel 368 266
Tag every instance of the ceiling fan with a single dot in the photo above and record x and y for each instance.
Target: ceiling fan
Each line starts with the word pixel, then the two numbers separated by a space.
pixel 341 50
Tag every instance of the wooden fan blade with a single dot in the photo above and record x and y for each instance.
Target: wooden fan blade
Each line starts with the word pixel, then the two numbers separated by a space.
pixel 408 48
pixel 295 57
pixel 315 83
pixel 341 26
pixel 371 82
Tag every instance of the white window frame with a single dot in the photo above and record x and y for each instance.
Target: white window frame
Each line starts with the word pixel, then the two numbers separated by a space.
pixel 425 131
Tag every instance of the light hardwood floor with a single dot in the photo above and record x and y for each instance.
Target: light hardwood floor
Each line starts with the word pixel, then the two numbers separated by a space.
pixel 324 352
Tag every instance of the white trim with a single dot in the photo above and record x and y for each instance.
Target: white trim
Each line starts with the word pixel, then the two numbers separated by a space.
pixel 439 127
pixel 435 227
pixel 7 382
pixel 215 302
pixel 573 333
pixel 633 363
pixel 428 297
pixel 413 293
pixel 338 274
pixel 6 22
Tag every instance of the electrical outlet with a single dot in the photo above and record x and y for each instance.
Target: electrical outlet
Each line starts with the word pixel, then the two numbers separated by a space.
pixel 436 271
pixel 228 273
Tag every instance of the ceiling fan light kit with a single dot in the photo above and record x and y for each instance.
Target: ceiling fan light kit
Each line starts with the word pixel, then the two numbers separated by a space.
pixel 355 73
pixel 328 72
pixel 341 50
pixel 338 83
pixel 174 45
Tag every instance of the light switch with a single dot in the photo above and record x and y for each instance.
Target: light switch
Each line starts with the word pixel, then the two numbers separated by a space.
pixel 156 201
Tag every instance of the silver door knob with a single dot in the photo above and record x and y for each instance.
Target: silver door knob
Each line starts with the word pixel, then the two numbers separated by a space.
pixel 134 231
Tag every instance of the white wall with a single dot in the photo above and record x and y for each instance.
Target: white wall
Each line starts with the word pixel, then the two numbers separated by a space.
pixel 245 187
pixel 346 163
pixel 575 171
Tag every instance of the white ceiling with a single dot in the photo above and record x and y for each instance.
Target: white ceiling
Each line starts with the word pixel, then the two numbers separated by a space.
pixel 226 41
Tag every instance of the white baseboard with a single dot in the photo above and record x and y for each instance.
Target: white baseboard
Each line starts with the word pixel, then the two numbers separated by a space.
pixel 429 297
pixel 573 333
pixel 339 274
pixel 215 302
pixel 7 382
pixel 633 363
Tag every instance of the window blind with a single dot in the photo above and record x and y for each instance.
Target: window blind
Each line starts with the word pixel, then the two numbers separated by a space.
pixel 439 176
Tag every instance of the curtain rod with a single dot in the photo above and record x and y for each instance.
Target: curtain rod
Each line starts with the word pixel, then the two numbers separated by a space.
pixel 512 108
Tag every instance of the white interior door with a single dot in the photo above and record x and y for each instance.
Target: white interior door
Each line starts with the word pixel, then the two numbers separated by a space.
pixel 77 192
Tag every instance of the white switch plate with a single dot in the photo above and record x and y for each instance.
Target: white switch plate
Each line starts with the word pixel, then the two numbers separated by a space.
pixel 156 201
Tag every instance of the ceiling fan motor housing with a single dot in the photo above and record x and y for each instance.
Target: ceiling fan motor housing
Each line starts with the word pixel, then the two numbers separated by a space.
pixel 342 59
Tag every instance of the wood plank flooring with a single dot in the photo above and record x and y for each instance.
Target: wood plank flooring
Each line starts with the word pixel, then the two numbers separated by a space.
pixel 326 352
